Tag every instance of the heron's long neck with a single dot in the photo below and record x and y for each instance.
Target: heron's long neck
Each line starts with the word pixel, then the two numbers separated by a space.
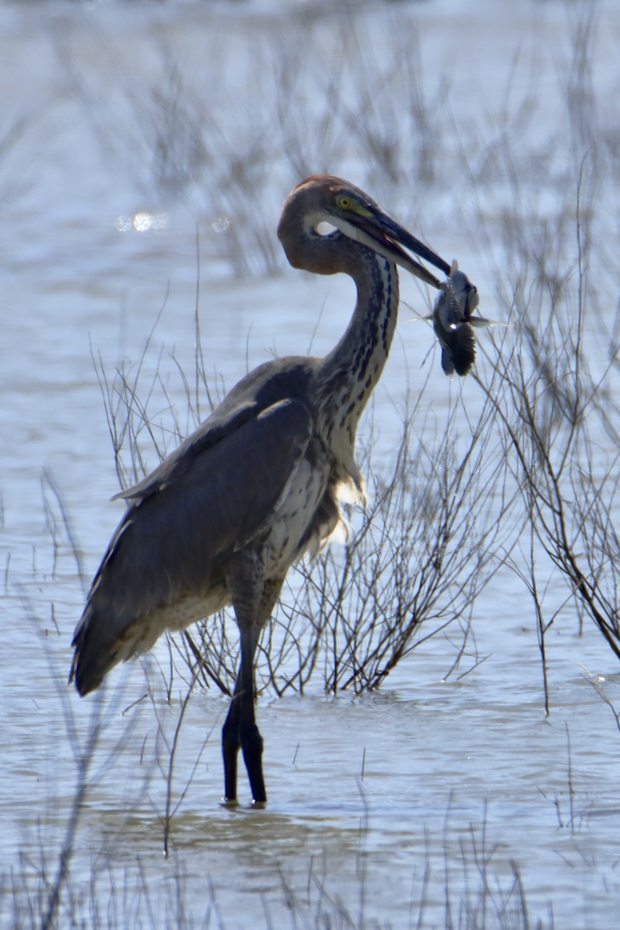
pixel 348 375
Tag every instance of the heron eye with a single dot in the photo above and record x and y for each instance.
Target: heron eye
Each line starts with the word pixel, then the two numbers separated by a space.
pixel 345 203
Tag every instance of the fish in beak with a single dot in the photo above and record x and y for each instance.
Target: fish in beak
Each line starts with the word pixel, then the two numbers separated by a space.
pixel 454 323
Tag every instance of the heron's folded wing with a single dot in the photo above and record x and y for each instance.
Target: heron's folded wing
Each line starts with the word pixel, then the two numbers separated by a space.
pixel 214 500
pixel 216 428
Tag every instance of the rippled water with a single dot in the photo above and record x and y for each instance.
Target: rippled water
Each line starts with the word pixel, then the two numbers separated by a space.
pixel 424 791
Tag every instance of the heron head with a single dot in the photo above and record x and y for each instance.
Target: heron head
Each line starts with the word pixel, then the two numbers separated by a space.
pixel 355 215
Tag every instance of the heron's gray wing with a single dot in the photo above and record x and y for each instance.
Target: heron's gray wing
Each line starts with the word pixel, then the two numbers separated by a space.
pixel 171 541
pixel 274 381
pixel 214 429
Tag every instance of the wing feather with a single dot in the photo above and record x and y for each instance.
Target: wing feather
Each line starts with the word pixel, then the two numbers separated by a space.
pixel 186 519
pixel 216 428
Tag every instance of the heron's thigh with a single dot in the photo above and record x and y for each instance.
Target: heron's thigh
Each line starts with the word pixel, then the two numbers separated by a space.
pixel 272 589
pixel 253 596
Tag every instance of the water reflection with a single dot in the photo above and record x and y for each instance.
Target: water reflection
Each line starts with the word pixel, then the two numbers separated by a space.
pixel 142 222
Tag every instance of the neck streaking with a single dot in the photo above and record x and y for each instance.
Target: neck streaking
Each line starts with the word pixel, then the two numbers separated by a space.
pixel 349 374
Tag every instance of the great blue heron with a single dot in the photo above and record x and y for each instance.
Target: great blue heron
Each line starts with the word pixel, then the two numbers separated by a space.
pixel 256 486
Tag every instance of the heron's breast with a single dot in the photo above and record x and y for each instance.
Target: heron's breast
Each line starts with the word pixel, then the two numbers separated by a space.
pixel 294 520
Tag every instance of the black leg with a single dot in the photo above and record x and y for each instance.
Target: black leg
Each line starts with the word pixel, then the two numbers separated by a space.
pixel 252 745
pixel 240 731
pixel 248 734
pixel 253 598
pixel 230 750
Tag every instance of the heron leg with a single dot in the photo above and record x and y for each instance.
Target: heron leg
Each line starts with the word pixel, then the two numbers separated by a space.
pixel 253 598
pixel 231 745
pixel 249 734
pixel 240 730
